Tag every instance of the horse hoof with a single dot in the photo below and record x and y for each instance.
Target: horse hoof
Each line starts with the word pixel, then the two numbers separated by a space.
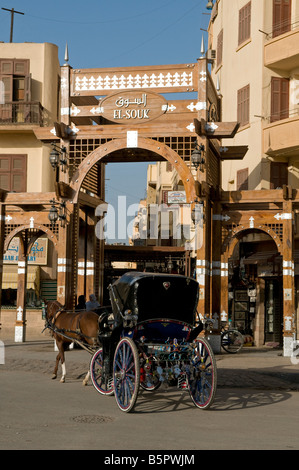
pixel 62 380
pixel 54 376
pixel 84 383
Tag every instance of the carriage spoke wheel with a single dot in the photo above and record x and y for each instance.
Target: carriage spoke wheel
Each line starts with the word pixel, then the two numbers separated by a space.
pixel 101 382
pixel 232 341
pixel 126 374
pixel 202 380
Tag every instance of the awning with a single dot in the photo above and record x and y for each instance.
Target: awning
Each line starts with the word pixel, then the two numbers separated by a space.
pixel 10 277
pixel 262 257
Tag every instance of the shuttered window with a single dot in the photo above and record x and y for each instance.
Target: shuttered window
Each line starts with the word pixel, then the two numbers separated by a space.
pixel 278 175
pixel 244 23
pixel 243 105
pixel 279 99
pixel 281 16
pixel 242 180
pixel 13 172
pixel 219 48
pixel 15 85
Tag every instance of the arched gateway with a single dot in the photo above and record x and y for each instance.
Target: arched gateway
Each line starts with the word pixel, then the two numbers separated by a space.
pixel 149 145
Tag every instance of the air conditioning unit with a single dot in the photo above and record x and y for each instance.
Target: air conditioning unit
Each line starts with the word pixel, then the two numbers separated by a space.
pixel 211 54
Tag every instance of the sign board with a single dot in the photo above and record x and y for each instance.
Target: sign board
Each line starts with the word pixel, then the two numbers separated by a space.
pixel 136 107
pixel 37 255
pixel 177 197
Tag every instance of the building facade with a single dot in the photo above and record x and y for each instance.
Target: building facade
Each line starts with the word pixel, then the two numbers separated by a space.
pixel 256 69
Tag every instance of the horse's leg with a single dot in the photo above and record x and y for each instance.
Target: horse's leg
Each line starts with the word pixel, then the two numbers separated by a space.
pixel 54 376
pixel 86 379
pixel 62 358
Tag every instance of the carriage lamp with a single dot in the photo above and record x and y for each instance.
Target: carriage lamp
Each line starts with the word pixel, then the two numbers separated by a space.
pixel 58 157
pixel 197 158
pixel 169 265
pixel 57 213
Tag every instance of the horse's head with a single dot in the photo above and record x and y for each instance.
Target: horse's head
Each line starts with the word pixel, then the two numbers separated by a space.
pixel 52 308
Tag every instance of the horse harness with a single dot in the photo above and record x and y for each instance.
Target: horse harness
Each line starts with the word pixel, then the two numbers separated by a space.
pixel 50 324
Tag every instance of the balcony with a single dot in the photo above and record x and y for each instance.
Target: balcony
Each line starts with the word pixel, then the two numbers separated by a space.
pixel 282 52
pixel 22 113
pixel 281 138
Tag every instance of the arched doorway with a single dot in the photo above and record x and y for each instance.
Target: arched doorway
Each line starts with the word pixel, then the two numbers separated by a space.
pixel 255 293
pixel 30 276
pixel 149 145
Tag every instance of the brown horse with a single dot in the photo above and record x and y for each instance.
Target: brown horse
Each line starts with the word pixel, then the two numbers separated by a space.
pixel 68 327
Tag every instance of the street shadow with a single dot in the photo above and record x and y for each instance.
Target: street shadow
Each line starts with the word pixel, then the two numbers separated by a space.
pixel 238 399
pixel 170 400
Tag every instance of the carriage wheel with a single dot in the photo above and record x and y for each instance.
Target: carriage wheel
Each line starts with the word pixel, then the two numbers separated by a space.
pixel 202 381
pixel 101 383
pixel 232 341
pixel 126 374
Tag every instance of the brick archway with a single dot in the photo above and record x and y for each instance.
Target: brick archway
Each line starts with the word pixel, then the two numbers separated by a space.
pixel 143 143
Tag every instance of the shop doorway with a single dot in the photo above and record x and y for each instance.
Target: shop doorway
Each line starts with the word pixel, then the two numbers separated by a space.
pixel 273 311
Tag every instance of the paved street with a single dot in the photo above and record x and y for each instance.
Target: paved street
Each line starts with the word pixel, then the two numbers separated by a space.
pixel 256 407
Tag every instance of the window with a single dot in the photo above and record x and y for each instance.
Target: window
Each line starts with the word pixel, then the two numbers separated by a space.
pixel 243 105
pixel 242 180
pixel 279 99
pixel 244 23
pixel 219 48
pixel 14 86
pixel 13 172
pixel 278 175
pixel 281 16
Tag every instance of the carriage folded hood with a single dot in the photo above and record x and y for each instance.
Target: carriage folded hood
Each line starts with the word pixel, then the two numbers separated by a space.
pixel 151 295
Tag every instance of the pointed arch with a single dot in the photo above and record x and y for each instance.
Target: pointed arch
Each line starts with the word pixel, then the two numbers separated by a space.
pixel 143 143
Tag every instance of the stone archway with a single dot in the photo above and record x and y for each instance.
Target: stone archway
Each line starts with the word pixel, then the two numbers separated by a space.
pixel 143 143
pixel 28 235
pixel 255 317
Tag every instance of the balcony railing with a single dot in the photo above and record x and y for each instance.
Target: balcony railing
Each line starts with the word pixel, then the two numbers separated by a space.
pixel 21 112
pixel 282 114
pixel 281 28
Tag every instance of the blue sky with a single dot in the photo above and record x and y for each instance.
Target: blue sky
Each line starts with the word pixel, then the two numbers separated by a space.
pixel 113 33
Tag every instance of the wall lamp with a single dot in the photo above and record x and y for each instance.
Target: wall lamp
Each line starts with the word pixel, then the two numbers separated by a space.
pixel 57 212
pixel 58 157
pixel 197 159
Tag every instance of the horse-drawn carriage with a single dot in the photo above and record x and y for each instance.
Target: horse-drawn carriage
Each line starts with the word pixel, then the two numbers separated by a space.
pixel 150 337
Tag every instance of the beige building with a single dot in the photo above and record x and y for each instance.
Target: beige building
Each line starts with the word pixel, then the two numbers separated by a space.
pixel 254 46
pixel 29 99
pixel 257 72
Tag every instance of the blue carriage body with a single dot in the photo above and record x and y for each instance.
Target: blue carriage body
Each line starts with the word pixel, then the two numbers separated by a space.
pixel 162 305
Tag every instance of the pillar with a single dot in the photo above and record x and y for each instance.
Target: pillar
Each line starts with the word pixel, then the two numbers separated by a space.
pixel 288 280
pixel 20 326
pixel 203 251
pixel 2 238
